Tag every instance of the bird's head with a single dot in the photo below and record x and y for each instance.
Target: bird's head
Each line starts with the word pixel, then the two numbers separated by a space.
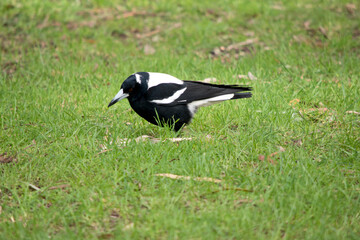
pixel 129 88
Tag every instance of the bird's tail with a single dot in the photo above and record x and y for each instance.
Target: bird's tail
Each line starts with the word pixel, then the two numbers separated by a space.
pixel 242 95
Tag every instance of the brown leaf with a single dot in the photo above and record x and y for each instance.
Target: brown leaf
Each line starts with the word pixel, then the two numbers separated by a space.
pixel 242 76
pixel 307 24
pixel 262 158
pixel 294 102
pixel 125 141
pixel 300 39
pixel 5 158
pixel 242 201
pixel 31 145
pixel 62 186
pixel 74 25
pixel 278 6
pixel 149 50
pixel 148 34
pixel 216 51
pixel 350 8
pixel 241 44
pixel 297 142
pixel 271 161
pixel 323 32
pixel 156 31
pixel 118 34
pixel 352 112
pixel 128 227
pixel 209 80
pixel 114 214
pixel 9 67
pixel 178 139
pixel 96 66
pixel 251 76
pixel 249 34
pixel 173 176
pixel 356 33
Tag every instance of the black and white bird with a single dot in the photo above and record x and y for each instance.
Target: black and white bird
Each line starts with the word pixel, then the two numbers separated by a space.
pixel 163 99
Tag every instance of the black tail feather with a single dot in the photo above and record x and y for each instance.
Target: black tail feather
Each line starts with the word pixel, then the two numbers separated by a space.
pixel 242 95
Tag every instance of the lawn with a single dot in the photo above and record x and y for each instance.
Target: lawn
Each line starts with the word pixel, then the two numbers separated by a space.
pixel 283 164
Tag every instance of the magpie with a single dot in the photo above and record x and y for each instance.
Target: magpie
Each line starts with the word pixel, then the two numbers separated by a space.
pixel 162 99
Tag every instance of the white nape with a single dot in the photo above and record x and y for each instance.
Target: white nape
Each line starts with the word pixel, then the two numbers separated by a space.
pixel 138 80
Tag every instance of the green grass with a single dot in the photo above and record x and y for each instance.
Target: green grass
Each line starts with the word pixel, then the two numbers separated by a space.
pixel 63 61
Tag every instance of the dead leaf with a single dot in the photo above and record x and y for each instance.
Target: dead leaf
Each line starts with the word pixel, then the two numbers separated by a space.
pixel 278 6
pixel 9 67
pixel 103 151
pixel 0 210
pixel 312 110
pixel 114 214
pixel 62 186
pixel 5 158
pixel 149 50
pixel 301 39
pixel 307 25
pixel 273 162
pixel 242 201
pixel 209 80
pixel 241 44
pixel 125 141
pixel 129 226
pixel 31 145
pixel 350 8
pixel 249 34
pixel 234 50
pixel 158 30
pixel 281 149
pixel 46 23
pixel 323 32
pixel 242 76
pixel 251 76
pixel 178 139
pixel 96 66
pixel 297 142
pixel 294 102
pixel 148 34
pixel 262 158
pixel 173 176
pixel 352 112
pixel 216 51
pixel 133 14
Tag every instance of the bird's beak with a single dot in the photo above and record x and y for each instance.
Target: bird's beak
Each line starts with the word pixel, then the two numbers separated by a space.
pixel 120 95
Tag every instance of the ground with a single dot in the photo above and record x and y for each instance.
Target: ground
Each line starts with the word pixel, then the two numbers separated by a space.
pixel 281 165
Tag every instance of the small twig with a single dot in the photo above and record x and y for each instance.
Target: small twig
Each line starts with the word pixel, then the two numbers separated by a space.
pixel 34 187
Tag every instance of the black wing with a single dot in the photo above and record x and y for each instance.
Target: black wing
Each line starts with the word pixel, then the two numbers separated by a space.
pixel 163 91
pixel 200 91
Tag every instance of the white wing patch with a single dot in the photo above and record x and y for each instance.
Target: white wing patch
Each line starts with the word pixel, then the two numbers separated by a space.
pixel 193 106
pixel 159 78
pixel 170 99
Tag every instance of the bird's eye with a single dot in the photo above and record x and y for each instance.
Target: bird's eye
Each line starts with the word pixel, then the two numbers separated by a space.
pixel 130 90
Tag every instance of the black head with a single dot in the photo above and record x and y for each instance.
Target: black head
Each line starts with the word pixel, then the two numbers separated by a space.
pixel 131 88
